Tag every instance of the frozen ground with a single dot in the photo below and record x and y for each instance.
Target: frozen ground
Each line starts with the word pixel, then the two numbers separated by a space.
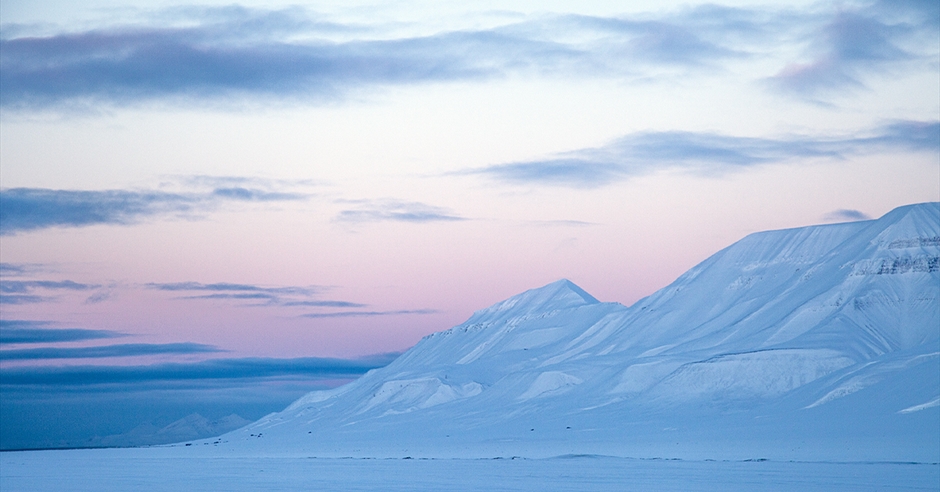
pixel 154 469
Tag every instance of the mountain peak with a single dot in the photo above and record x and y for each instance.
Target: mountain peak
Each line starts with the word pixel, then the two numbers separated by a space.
pixel 911 223
pixel 560 294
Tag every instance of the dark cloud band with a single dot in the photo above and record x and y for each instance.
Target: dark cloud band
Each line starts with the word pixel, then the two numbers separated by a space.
pixel 218 369
pixel 28 331
pixel 106 351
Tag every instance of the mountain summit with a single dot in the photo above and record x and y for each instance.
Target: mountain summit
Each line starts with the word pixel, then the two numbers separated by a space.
pixel 815 343
pixel 561 294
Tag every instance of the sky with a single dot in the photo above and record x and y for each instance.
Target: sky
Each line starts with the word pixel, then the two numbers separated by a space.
pixel 217 207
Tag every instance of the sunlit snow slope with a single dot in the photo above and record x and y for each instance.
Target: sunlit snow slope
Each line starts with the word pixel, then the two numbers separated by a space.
pixel 814 343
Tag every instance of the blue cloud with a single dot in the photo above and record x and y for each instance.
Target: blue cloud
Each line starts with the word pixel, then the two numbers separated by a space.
pixel 28 209
pixel 570 172
pixel 215 369
pixel 338 304
pixel 24 286
pixel 228 53
pixel 13 269
pixel 250 195
pixel 396 211
pixel 116 399
pixel 357 314
pixel 230 287
pixel 17 299
pixel 845 215
pixel 703 153
pixel 104 351
pixel 854 43
pixel 912 136
pixel 29 331
pixel 123 65
pixel 290 296
pixel 14 292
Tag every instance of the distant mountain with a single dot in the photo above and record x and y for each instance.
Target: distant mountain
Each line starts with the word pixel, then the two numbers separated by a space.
pixel 193 426
pixel 820 342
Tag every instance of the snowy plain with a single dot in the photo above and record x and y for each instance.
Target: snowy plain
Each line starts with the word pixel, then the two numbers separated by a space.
pixel 108 470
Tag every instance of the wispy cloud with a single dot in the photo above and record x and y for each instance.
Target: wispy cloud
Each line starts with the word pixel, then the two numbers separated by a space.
pixel 30 331
pixel 23 286
pixel 396 211
pixel 336 304
pixel 856 42
pixel 269 296
pixel 15 292
pixel 13 269
pixel 357 314
pixel 214 369
pixel 703 153
pixel 28 209
pixel 127 64
pixel 106 351
pixel 229 53
pixel 231 287
pixel 559 223
pixel 845 215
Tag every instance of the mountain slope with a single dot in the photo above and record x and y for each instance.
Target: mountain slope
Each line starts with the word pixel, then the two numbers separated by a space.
pixel 818 342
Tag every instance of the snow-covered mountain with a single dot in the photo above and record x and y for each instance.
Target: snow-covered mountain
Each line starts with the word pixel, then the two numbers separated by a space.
pixel 810 343
pixel 193 426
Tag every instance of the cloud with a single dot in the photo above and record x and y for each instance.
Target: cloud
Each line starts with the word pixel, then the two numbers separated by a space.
pixel 356 314
pixel 911 136
pixel 249 195
pixel 121 350
pixel 127 64
pixel 13 269
pixel 116 399
pixel 230 287
pixel 845 215
pixel 28 209
pixel 344 304
pixel 230 53
pixel 14 292
pixel 703 153
pixel 559 223
pixel 215 369
pixel 290 296
pixel 854 43
pixel 396 211
pixel 100 296
pixel 17 299
pixel 23 286
pixel 29 331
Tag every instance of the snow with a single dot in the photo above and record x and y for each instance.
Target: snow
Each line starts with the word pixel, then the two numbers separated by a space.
pixel 777 337
pixel 816 348
pixel 550 383
pixel 106 470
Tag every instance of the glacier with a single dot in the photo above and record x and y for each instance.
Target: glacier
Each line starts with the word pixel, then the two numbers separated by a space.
pixel 816 343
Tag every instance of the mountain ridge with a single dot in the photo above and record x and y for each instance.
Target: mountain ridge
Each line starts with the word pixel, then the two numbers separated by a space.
pixel 782 336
